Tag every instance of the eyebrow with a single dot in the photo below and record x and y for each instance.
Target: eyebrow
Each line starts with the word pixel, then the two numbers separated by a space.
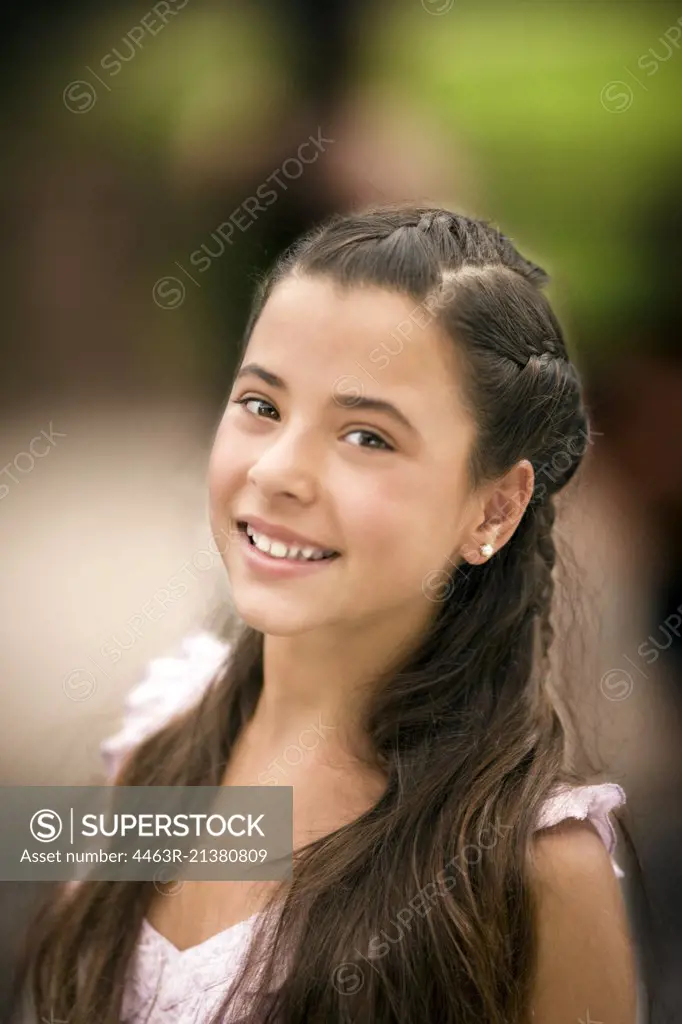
pixel 345 401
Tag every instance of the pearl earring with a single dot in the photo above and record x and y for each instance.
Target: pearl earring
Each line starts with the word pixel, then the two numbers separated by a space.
pixel 486 550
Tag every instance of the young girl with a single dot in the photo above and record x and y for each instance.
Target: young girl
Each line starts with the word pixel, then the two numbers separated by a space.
pixel 382 491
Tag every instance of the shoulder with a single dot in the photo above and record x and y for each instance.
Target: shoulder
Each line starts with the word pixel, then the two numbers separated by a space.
pixel 585 965
pixel 592 804
pixel 169 685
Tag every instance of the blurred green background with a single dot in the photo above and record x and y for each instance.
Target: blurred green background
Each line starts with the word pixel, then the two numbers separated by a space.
pixel 558 120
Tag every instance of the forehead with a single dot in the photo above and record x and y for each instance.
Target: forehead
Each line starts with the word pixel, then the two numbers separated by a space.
pixel 312 332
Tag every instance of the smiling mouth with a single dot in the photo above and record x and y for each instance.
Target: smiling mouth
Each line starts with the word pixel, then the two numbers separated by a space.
pixel 279 551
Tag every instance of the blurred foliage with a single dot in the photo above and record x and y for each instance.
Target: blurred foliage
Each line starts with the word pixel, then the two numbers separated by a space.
pixel 204 72
pixel 574 167
pixel 575 140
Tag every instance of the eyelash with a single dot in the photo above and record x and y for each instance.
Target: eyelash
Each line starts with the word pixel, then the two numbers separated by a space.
pixel 370 433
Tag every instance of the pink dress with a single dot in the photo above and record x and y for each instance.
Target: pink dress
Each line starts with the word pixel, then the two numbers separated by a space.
pixel 166 985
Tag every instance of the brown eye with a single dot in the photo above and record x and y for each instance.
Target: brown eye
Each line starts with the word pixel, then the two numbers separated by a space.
pixel 252 398
pixel 383 445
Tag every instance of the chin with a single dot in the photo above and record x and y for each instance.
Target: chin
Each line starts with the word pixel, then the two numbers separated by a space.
pixel 276 617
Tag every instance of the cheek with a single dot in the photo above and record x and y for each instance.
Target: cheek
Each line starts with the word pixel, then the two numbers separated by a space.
pixel 406 529
pixel 386 526
pixel 224 472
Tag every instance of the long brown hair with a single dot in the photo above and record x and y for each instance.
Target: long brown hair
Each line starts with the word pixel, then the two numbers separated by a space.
pixel 420 909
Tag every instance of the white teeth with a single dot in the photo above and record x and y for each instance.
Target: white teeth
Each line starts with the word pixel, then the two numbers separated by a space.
pixel 276 549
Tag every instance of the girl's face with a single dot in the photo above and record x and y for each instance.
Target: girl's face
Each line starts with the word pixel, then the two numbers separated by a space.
pixel 301 448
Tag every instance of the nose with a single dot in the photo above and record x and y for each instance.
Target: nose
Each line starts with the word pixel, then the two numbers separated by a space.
pixel 287 466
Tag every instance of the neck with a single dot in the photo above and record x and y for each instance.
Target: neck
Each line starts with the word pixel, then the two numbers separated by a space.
pixel 317 686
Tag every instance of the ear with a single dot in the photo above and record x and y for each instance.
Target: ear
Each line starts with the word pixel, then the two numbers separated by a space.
pixel 499 511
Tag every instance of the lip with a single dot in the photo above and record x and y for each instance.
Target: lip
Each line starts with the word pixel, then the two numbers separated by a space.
pixel 277 568
pixel 287 537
